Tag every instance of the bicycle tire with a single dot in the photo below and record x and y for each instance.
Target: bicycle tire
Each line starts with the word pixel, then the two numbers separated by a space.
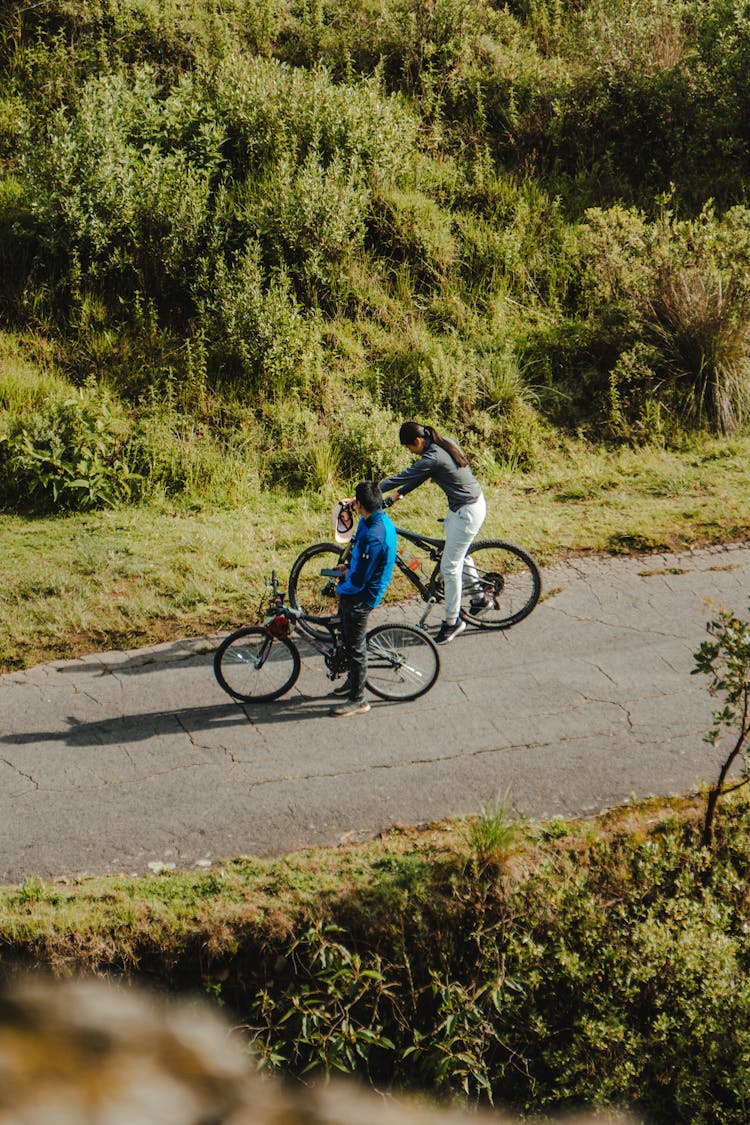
pixel 310 591
pixel 507 577
pixel 402 662
pixel 239 673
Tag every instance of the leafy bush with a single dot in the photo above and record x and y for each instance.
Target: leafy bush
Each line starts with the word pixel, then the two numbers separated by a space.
pixel 330 1003
pixel 424 375
pixel 261 343
pixel 367 440
pixel 663 320
pixel 310 220
pixel 271 111
pixel 122 186
pixel 610 975
pixel 68 454
pixel 411 227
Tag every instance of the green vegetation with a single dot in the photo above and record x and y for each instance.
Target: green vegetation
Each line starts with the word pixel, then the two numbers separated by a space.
pixel 231 231
pixel 240 241
pixel 599 963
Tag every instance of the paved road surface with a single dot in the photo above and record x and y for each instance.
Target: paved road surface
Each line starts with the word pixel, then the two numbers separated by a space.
pixel 126 761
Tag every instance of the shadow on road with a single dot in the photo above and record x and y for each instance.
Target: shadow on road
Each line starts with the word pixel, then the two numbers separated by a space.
pixel 161 659
pixel 191 720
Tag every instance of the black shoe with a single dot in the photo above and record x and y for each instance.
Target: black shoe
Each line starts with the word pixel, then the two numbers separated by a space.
pixel 480 602
pixel 448 632
pixel 343 689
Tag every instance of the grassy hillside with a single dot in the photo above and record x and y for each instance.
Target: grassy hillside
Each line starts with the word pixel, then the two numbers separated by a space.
pixel 240 241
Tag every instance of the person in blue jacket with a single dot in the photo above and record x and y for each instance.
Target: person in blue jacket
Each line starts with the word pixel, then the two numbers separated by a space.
pixel 362 587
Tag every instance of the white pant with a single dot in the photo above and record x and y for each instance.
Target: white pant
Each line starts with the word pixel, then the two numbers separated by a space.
pixel 460 529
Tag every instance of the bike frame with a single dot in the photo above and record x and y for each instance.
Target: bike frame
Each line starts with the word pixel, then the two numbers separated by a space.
pixel 289 615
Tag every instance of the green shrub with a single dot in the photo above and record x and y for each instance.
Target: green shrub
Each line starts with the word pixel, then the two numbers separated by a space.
pixel 69 454
pixel 662 332
pixel 271 111
pixel 310 221
pixel 260 342
pixel 330 1002
pixel 421 374
pixel 611 973
pixel 410 227
pixel 367 440
pixel 122 185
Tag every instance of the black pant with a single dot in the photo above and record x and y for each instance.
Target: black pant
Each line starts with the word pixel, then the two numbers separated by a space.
pixel 354 614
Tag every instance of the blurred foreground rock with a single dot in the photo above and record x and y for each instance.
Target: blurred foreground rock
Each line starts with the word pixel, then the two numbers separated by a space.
pixel 89 1053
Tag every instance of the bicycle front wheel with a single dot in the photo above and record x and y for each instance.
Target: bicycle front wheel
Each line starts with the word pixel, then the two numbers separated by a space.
pixel 311 591
pixel 501 584
pixel 402 662
pixel 255 668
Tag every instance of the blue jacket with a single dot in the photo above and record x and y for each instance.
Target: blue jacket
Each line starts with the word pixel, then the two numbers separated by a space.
pixel 372 559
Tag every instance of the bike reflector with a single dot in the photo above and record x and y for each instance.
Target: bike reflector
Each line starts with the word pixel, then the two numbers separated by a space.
pixel 343 523
pixel 279 626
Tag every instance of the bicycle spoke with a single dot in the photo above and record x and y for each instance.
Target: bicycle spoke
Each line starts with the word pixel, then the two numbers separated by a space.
pixel 403 662
pixel 396 662
pixel 252 667
pixel 501 585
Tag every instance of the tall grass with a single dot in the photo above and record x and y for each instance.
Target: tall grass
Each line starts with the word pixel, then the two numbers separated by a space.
pixel 701 322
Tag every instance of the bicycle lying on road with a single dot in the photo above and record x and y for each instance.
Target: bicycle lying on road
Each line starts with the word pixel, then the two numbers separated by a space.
pixel 259 663
pixel 501 582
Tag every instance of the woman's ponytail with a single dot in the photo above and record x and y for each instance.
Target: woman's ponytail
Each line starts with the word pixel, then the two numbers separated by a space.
pixel 410 431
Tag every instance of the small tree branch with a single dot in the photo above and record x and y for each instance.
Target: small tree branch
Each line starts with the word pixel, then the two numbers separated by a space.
pixel 716 791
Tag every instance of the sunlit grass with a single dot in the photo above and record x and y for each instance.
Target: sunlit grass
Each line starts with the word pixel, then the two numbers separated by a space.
pixel 83 583
pixel 126 913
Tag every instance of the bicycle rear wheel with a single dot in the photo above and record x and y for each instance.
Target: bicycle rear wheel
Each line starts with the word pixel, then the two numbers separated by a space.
pixel 255 668
pixel 311 591
pixel 501 584
pixel 402 662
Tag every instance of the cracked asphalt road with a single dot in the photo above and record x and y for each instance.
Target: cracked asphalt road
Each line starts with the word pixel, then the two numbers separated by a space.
pixel 126 761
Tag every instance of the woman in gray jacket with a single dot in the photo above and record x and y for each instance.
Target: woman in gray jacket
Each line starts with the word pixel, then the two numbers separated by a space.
pixel 442 461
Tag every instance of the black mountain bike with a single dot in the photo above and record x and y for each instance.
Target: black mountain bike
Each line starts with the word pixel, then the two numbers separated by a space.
pixel 501 582
pixel 260 663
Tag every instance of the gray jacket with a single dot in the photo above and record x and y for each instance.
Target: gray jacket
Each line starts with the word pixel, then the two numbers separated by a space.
pixel 459 485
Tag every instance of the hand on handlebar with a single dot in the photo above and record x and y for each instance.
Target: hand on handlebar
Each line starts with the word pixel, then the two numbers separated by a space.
pixel 334 571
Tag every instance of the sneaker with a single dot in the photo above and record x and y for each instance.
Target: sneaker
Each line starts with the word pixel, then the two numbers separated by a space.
pixel 342 689
pixel 448 632
pixel 480 602
pixel 352 707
